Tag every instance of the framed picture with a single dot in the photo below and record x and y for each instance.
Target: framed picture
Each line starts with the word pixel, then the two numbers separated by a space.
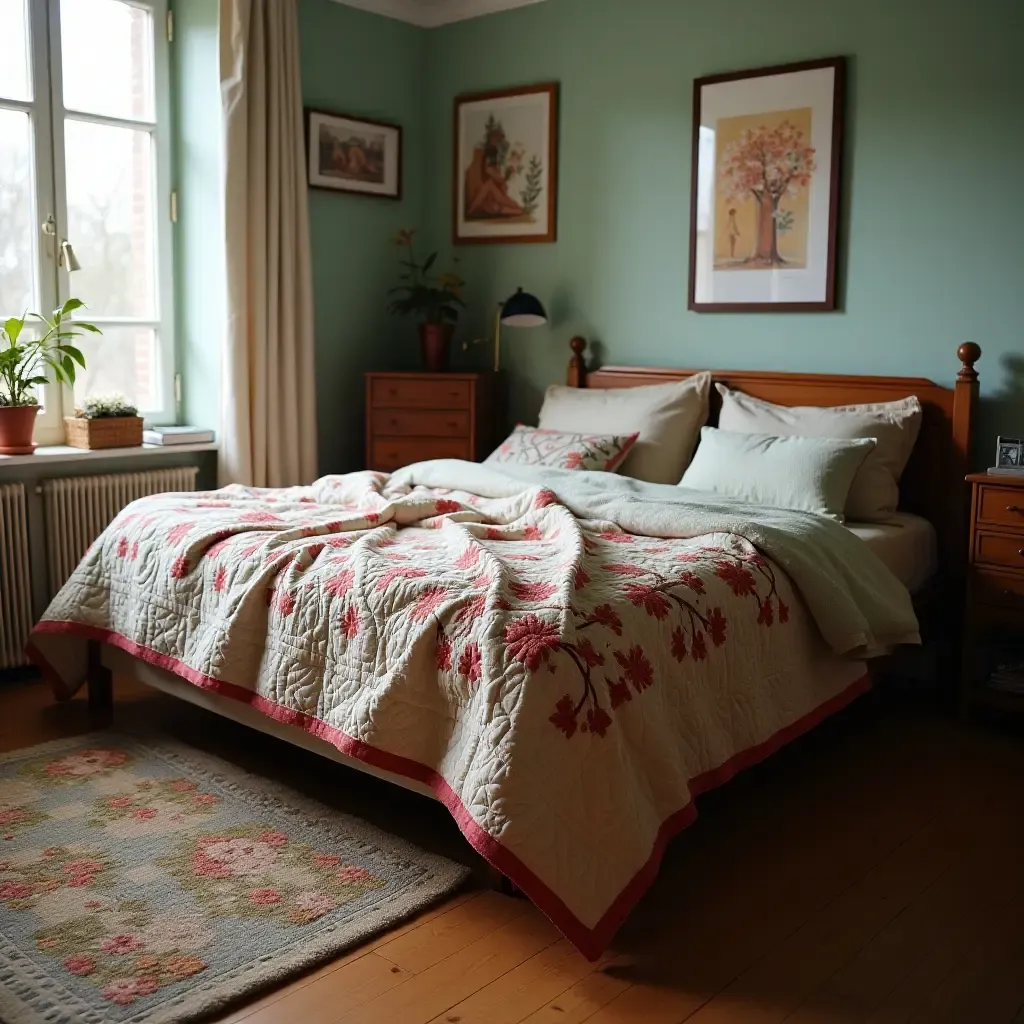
pixel 505 165
pixel 764 195
pixel 349 154
pixel 1010 453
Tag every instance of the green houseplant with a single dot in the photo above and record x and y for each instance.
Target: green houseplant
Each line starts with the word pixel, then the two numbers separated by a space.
pixel 24 362
pixel 434 298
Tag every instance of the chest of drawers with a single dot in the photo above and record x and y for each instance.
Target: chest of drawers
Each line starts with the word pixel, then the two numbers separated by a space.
pixel 411 417
pixel 995 582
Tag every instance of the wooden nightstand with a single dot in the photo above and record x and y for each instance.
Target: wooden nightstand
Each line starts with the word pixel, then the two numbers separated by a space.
pixel 994 607
pixel 411 417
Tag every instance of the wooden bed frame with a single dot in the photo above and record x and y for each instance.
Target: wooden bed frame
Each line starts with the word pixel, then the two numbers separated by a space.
pixel 932 486
pixel 933 483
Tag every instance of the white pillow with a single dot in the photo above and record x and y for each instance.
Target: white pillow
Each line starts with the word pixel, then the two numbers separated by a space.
pixel 875 494
pixel 667 417
pixel 813 474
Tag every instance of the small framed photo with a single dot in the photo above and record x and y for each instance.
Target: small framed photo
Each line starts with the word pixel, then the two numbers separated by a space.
pixel 504 172
pixel 764 201
pixel 1010 453
pixel 350 154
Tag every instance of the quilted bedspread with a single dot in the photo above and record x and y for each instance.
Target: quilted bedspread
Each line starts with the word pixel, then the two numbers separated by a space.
pixel 567 659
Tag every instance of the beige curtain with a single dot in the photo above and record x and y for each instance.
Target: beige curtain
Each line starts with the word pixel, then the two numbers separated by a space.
pixel 268 435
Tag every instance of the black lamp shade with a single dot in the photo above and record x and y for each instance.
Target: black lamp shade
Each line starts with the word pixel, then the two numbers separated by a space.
pixel 523 310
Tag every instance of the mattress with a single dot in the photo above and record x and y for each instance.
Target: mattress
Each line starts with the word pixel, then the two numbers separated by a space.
pixel 906 544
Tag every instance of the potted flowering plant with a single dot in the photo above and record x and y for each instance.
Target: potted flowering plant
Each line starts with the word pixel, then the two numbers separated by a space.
pixel 23 368
pixel 434 298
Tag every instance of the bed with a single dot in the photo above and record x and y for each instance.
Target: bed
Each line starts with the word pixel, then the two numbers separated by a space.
pixel 565 660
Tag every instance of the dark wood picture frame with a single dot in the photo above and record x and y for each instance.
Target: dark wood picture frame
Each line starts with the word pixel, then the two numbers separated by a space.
pixel 340 186
pixel 551 89
pixel 838 64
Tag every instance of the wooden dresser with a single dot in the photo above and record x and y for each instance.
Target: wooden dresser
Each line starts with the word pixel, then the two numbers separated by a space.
pixel 995 584
pixel 415 416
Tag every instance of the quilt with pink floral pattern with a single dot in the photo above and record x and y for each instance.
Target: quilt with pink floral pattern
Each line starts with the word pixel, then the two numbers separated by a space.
pixel 566 659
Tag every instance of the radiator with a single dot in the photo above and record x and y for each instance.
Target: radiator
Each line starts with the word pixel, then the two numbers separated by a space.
pixel 78 509
pixel 15 577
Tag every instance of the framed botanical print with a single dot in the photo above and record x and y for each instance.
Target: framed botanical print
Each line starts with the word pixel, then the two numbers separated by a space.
pixel 764 200
pixel 349 154
pixel 505 165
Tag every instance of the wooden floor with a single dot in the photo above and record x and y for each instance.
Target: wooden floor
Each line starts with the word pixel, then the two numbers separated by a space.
pixel 872 872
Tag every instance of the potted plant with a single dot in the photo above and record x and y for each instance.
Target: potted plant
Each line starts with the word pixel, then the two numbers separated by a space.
pixel 23 368
pixel 434 298
pixel 104 421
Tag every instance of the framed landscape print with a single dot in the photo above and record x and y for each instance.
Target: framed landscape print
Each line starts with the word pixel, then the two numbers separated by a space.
pixel 505 165
pixel 350 154
pixel 765 188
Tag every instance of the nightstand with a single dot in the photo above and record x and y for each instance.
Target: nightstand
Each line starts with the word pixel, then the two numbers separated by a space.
pixel 411 417
pixel 994 607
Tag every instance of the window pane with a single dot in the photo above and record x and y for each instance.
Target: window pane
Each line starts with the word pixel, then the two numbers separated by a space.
pixel 124 359
pixel 17 215
pixel 107 58
pixel 110 218
pixel 15 80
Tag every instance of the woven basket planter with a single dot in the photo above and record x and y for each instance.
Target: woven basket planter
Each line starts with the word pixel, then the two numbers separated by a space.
pixel 107 432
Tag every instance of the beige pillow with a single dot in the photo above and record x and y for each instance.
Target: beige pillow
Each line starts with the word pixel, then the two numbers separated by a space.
pixel 875 493
pixel 668 418
pixel 812 474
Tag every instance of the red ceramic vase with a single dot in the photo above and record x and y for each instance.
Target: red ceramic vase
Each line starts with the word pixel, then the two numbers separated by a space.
pixel 435 343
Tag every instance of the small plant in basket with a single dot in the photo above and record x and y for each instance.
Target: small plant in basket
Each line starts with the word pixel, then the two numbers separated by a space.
pixel 104 421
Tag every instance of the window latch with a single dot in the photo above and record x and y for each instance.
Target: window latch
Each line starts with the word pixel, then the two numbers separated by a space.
pixel 67 258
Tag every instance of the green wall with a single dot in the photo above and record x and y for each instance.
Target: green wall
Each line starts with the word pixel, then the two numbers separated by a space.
pixel 932 226
pixel 364 65
pixel 198 240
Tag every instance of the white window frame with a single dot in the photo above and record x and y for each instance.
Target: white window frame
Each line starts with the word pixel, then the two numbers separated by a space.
pixel 39 111
pixel 55 281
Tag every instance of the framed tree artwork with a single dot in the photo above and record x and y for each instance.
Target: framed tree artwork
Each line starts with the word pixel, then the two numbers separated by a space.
pixel 505 165
pixel 764 201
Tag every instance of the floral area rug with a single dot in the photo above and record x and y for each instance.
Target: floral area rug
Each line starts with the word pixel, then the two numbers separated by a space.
pixel 144 881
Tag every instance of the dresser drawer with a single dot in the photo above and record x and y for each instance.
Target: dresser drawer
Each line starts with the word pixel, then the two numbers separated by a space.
pixel 998 588
pixel 420 394
pixel 999 549
pixel 1003 506
pixel 391 453
pixel 420 423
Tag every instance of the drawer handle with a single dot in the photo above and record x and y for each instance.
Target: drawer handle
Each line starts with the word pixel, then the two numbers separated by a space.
pixel 1014 508
pixel 1020 551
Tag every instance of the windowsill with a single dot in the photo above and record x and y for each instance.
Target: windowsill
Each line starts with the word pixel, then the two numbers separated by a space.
pixel 51 455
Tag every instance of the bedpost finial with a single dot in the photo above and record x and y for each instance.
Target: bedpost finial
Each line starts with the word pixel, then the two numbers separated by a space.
pixel 969 353
pixel 577 374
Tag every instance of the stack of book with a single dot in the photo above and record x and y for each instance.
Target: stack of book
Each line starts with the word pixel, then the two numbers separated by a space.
pixel 177 435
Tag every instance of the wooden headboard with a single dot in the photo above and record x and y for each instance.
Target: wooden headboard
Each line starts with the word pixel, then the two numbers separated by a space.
pixel 933 484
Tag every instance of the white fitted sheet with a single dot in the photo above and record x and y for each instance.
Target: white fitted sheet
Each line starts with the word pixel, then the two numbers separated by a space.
pixel 906 544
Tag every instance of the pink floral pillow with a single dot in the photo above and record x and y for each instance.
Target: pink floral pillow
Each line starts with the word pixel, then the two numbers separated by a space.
pixel 529 446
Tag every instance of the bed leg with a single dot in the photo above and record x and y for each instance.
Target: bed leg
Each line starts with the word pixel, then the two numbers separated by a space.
pixel 100 683
pixel 497 882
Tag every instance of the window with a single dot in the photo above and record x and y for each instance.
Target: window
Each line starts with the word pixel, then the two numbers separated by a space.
pixel 85 179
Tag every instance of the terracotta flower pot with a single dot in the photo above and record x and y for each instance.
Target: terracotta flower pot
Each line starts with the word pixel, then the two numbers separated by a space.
pixel 435 342
pixel 16 425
